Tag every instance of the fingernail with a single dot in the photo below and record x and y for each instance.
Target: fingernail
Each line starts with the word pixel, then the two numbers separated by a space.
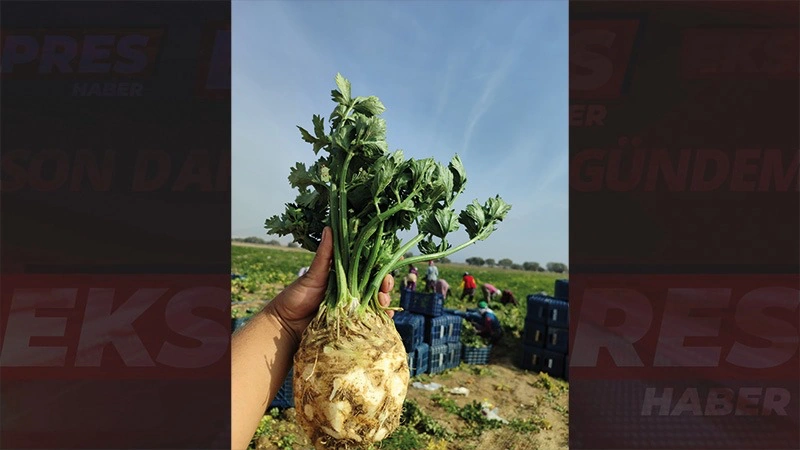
pixel 324 235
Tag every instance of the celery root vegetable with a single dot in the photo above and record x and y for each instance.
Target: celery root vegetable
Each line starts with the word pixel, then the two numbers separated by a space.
pixel 351 373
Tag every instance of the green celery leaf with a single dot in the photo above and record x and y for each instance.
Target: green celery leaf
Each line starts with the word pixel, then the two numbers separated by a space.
pixel 473 219
pixel 307 198
pixel 370 106
pixel 427 246
pixel 319 126
pixel 337 115
pixel 343 136
pixel 496 208
pixel 299 177
pixel 344 87
pixel 384 171
pixel 307 136
pixel 459 174
pixel 439 223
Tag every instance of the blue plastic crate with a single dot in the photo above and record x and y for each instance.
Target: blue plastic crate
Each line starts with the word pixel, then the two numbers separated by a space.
pixel 422 358
pixel 413 369
pixel 285 396
pixel 454 329
pixel 553 364
pixel 541 360
pixel 428 304
pixel 237 323
pixel 437 361
pixel 530 358
pixel 534 333
pixel 557 340
pixel 476 355
pixel 405 298
pixel 538 308
pixel 558 314
pixel 453 354
pixel 562 290
pixel 410 327
pixel 443 329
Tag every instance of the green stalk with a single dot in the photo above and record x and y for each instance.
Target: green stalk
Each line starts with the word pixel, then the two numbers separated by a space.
pixel 369 230
pixel 431 256
pixel 341 279
pixel 378 280
pixel 340 219
pixel 345 245
pixel 373 256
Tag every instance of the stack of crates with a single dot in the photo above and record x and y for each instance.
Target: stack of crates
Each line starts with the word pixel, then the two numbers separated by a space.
pixel 431 337
pixel 411 328
pixel 545 338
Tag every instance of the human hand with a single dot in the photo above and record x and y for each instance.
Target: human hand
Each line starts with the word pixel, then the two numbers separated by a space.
pixel 296 305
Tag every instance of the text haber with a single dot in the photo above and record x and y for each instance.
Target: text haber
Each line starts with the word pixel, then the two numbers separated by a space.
pixel 746 401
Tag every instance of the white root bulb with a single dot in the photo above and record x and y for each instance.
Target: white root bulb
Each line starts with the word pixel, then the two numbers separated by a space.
pixel 350 381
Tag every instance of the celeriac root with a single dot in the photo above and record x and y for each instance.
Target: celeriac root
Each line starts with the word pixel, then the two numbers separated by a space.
pixel 350 380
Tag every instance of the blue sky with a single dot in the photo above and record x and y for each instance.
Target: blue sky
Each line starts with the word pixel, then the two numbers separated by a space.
pixel 486 80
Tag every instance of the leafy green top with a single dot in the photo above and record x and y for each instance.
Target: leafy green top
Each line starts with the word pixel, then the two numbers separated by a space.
pixel 367 194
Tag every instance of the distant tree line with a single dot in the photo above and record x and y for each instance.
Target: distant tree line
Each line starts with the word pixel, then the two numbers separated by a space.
pixel 506 263
pixel 258 240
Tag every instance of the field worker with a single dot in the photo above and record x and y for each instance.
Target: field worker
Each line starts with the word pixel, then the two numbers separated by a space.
pixel 431 276
pixel 302 272
pixel 273 335
pixel 468 289
pixel 441 287
pixel 411 278
pixel 508 297
pixel 489 292
pixel 489 325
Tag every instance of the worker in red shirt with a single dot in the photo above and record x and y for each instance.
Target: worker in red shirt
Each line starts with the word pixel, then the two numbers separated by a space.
pixel 469 286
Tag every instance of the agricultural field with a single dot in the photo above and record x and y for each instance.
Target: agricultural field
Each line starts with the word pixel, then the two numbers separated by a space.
pixel 534 405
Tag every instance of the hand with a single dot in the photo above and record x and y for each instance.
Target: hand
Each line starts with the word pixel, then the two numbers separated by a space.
pixel 298 303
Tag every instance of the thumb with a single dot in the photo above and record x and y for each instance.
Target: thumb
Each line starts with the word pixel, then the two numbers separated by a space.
pixel 317 275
